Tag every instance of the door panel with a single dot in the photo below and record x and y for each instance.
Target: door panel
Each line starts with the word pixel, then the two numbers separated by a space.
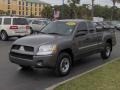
pixel 92 36
pixel 82 43
pixel 93 41
pixel 81 39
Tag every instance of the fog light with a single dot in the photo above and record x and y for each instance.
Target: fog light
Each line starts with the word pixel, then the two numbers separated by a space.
pixel 39 63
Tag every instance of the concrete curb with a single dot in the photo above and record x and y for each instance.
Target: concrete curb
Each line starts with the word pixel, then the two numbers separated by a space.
pixel 74 77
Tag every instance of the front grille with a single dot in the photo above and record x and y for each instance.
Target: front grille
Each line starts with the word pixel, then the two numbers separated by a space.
pixel 22 56
pixel 26 48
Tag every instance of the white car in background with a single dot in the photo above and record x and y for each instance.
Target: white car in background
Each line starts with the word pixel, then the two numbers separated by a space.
pixel 37 25
pixel 116 24
pixel 13 27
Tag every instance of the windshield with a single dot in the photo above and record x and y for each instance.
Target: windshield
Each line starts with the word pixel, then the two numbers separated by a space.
pixel 62 28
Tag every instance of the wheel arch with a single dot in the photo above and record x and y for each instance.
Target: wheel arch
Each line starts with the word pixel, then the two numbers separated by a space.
pixel 70 52
pixel 4 31
pixel 109 41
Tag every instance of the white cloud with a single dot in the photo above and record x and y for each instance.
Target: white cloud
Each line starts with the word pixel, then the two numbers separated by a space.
pixel 101 2
pixel 54 2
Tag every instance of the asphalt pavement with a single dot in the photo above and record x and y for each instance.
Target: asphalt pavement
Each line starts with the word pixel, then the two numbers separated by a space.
pixel 13 78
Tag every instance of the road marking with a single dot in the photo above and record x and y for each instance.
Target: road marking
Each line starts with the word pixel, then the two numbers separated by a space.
pixel 74 77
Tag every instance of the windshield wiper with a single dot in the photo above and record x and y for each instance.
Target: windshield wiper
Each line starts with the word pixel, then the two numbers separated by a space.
pixel 42 32
pixel 55 33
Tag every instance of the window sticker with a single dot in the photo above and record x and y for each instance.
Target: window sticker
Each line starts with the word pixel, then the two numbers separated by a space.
pixel 71 23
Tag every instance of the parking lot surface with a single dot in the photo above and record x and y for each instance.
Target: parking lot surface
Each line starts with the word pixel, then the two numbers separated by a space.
pixel 13 78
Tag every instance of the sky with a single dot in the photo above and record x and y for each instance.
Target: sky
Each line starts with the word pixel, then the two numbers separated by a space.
pixel 101 2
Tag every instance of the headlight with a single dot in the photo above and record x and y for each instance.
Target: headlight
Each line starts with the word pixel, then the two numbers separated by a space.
pixel 46 49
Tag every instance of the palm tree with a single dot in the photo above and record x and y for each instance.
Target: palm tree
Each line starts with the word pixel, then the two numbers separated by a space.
pixel 113 8
pixel 73 6
pixel 114 2
pixel 74 1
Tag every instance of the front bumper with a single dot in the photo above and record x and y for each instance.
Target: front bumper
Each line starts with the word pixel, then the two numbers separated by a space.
pixel 38 61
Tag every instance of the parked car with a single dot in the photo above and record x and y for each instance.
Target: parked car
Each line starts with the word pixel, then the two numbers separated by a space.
pixel 104 24
pixel 116 24
pixel 60 44
pixel 110 24
pixel 13 27
pixel 37 25
pixel 98 24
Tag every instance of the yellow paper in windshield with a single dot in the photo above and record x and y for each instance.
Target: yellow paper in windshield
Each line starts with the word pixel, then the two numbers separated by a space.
pixel 71 23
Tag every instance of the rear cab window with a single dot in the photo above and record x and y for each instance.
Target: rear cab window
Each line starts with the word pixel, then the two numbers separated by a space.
pixel 7 21
pixel 20 21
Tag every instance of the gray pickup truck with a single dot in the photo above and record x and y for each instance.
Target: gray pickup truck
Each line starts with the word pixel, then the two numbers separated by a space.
pixel 60 44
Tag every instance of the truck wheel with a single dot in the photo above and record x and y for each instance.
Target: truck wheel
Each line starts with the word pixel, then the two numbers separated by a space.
pixel 105 54
pixel 31 30
pixel 4 36
pixel 63 65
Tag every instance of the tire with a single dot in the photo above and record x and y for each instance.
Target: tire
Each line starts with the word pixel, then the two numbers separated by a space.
pixel 20 36
pixel 105 54
pixel 3 36
pixel 25 67
pixel 35 33
pixel 31 30
pixel 63 64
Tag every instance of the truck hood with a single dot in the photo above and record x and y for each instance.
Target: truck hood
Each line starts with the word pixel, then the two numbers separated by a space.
pixel 37 40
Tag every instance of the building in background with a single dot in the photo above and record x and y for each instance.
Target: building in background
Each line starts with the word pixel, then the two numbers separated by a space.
pixel 22 7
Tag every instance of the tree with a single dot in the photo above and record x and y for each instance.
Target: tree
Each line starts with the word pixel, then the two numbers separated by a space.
pixel 102 11
pixel 65 9
pixel 74 1
pixel 47 12
pixel 84 12
pixel 73 7
pixel 113 8
pixel 114 2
